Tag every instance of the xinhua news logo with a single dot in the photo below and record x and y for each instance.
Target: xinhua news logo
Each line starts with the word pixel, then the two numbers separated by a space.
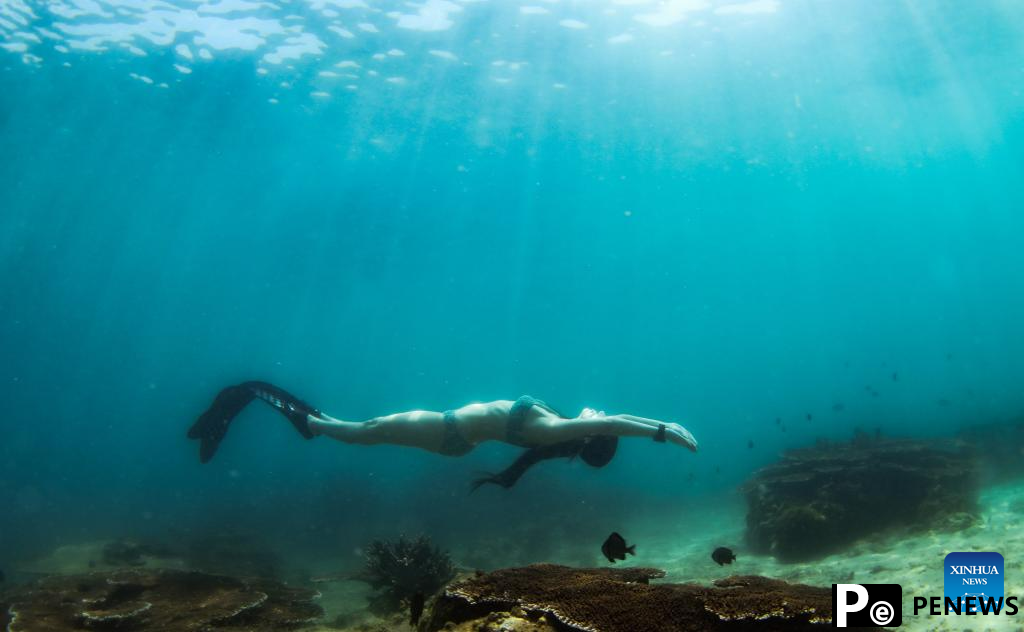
pixel 867 605
pixel 975 578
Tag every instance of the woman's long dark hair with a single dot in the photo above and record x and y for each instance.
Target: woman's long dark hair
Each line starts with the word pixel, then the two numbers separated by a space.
pixel 595 451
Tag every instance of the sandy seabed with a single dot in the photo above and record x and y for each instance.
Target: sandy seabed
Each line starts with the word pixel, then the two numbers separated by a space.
pixel 915 561
pixel 682 546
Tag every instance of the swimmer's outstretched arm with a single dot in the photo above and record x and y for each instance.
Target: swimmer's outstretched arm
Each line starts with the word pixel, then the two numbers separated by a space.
pixel 616 425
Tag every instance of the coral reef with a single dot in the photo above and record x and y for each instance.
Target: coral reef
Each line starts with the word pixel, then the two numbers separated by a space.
pixel 546 596
pixel 816 501
pixel 142 600
pixel 399 569
pixel 516 621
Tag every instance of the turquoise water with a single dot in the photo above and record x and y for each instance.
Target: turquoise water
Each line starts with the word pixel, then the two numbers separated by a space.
pixel 716 214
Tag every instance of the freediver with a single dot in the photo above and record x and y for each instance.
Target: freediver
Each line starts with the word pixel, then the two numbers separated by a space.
pixel 526 422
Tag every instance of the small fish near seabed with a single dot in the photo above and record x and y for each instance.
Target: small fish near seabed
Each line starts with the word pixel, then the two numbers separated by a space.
pixel 416 608
pixel 723 556
pixel 614 548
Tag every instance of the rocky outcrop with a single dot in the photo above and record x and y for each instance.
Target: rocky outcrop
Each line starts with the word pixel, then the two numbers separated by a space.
pixel 151 600
pixel 816 501
pixel 546 596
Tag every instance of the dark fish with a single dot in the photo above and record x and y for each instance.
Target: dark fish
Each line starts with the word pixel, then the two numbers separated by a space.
pixel 809 417
pixel 614 548
pixel 723 556
pixel 838 408
pixel 750 444
pixel 895 377
pixel 943 402
pixel 415 608
pixel 778 420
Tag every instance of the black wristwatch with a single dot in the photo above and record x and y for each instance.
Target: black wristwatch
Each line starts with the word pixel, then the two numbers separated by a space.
pixel 659 437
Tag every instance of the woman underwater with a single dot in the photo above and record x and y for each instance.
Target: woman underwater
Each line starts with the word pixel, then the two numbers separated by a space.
pixel 526 422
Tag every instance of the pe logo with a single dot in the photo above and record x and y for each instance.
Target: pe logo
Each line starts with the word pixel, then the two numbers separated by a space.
pixel 973 578
pixel 867 605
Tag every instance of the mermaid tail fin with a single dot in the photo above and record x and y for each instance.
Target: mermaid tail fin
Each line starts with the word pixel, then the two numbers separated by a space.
pixel 287 404
pixel 212 426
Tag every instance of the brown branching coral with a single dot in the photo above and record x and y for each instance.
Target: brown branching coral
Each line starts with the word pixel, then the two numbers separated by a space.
pixel 399 569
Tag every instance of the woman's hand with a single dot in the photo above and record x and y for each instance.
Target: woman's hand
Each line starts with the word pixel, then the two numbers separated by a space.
pixel 680 436
pixel 594 422
pixel 674 432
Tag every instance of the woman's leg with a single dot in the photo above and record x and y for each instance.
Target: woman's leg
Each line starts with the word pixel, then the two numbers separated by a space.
pixel 423 429
pixel 418 429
